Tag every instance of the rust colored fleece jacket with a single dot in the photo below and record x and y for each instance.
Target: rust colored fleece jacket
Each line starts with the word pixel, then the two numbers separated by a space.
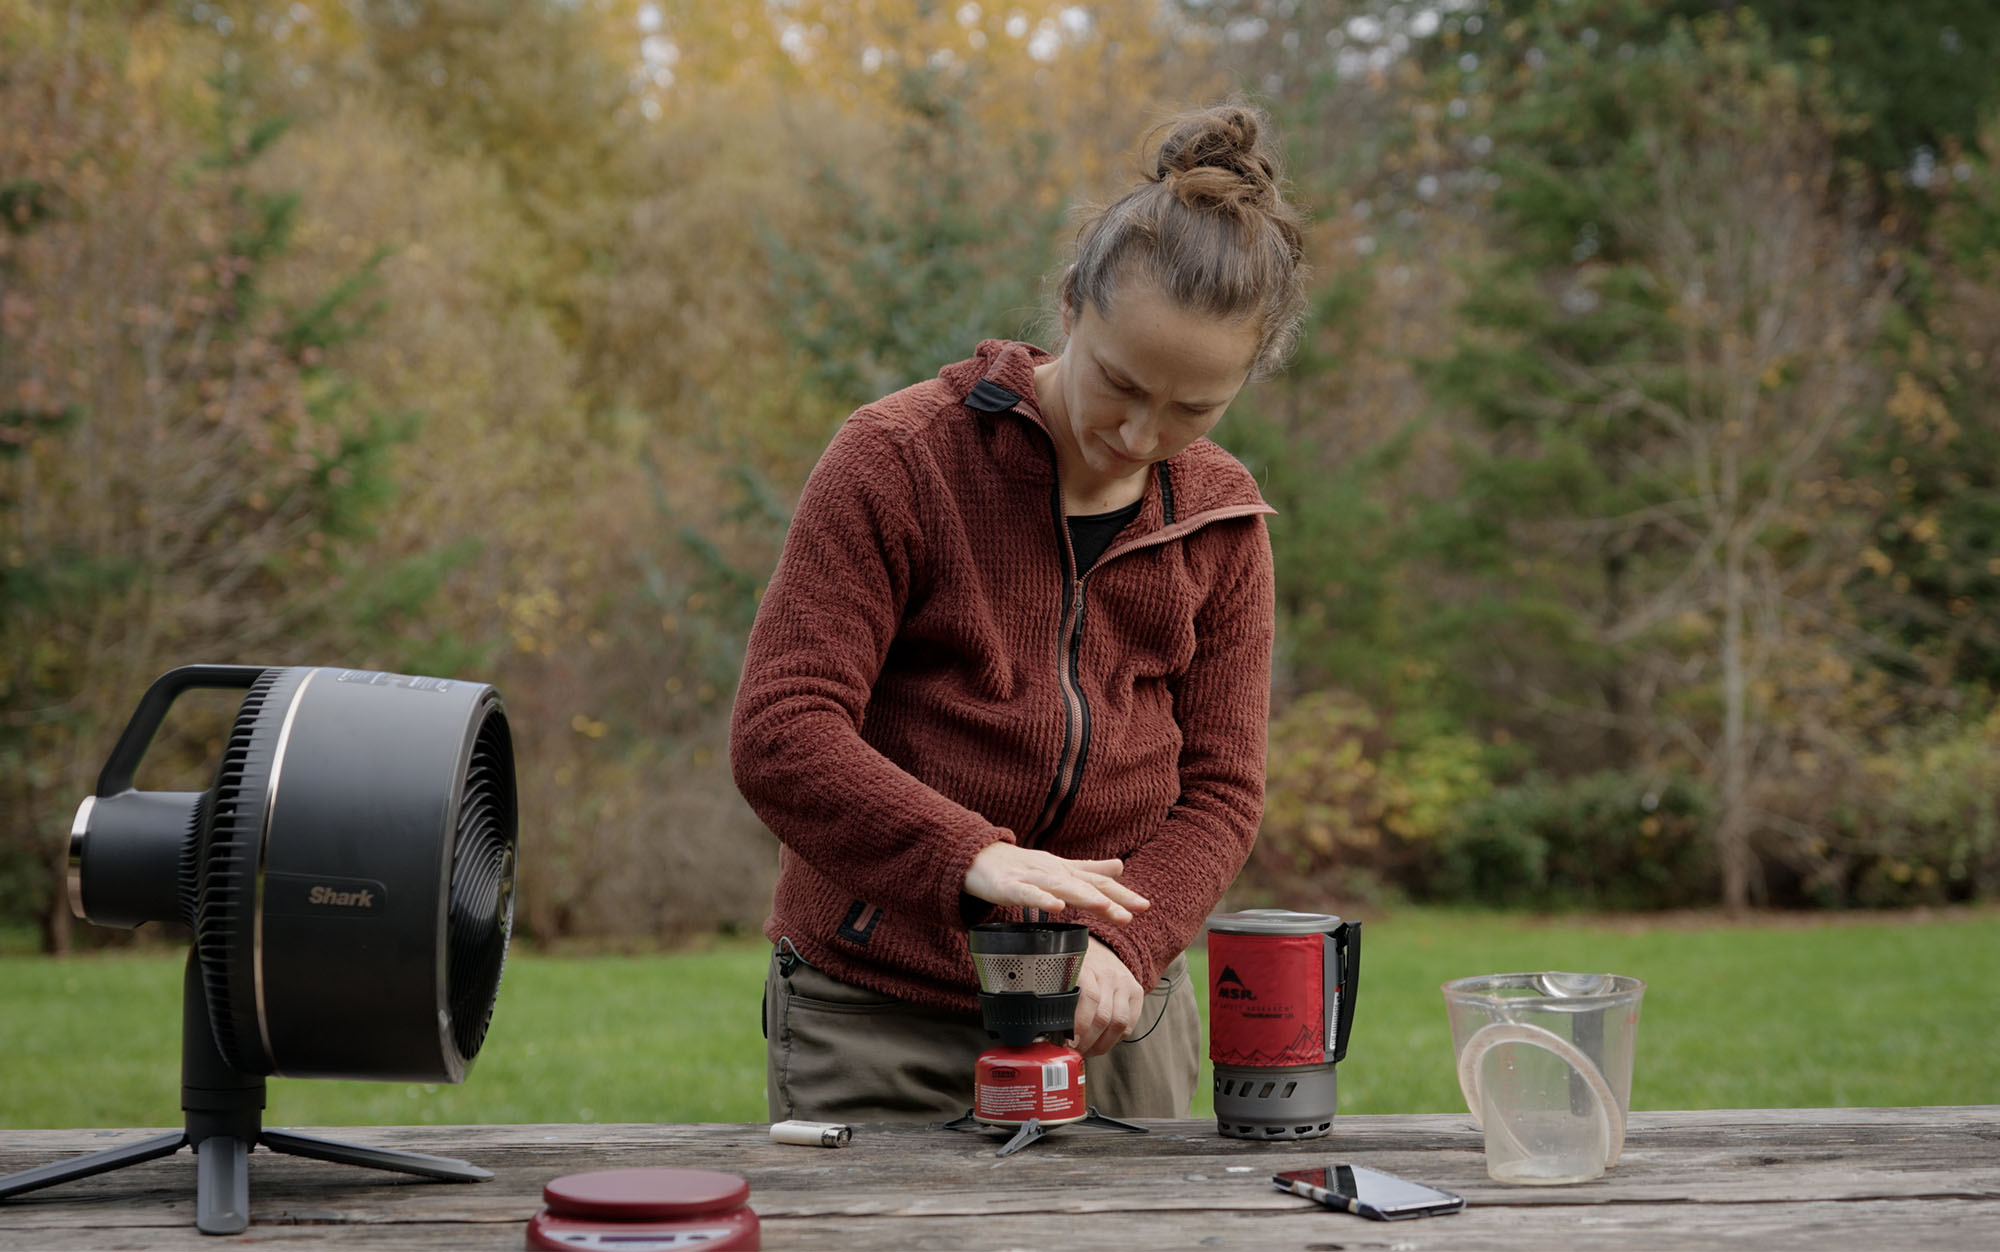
pixel 925 676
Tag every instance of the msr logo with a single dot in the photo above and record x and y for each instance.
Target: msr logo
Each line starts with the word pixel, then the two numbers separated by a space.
pixel 1229 986
pixel 345 899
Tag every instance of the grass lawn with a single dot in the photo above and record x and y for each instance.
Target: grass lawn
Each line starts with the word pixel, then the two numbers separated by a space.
pixel 1791 1012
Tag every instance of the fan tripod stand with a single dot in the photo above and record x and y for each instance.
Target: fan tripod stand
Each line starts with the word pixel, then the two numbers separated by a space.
pixel 225 1121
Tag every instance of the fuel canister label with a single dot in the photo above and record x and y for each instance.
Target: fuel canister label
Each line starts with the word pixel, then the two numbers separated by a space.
pixel 1005 1099
pixel 1266 999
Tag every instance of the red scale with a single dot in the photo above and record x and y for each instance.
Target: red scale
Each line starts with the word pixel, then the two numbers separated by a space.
pixel 641 1210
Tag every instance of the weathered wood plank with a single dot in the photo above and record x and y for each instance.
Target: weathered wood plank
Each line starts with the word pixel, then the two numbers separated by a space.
pixel 1846 1178
pixel 1955 1225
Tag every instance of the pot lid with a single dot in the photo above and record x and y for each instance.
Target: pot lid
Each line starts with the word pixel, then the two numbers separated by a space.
pixel 1272 922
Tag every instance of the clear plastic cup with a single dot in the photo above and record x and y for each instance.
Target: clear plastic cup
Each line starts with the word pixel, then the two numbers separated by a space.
pixel 1545 1065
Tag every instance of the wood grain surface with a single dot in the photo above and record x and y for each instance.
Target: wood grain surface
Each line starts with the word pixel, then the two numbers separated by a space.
pixel 1816 1179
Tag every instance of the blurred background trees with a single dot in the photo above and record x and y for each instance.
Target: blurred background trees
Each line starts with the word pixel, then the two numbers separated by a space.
pixel 1639 529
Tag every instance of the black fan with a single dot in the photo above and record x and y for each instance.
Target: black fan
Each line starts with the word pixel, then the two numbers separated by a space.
pixel 349 879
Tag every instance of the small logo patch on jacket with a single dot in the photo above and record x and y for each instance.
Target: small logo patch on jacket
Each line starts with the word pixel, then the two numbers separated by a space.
pixel 860 923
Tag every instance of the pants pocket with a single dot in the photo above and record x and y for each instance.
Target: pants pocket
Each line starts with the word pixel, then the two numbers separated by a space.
pixel 1153 1073
pixel 843 1053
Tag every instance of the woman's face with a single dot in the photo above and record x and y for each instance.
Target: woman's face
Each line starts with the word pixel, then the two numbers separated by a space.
pixel 1142 382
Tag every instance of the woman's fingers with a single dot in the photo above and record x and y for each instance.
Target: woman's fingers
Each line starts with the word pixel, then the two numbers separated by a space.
pixel 1118 891
pixel 1110 869
pixel 1092 1024
pixel 1005 873
pixel 1105 875
pixel 1094 895
pixel 1109 1001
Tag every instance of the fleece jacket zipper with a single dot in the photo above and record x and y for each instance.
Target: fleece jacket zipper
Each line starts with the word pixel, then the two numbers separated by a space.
pixel 1069 682
pixel 990 397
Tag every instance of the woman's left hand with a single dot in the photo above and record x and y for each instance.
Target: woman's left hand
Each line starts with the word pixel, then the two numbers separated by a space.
pixel 1007 874
pixel 1108 1003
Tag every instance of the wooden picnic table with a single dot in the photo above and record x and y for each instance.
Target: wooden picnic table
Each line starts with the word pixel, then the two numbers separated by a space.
pixel 1816 1179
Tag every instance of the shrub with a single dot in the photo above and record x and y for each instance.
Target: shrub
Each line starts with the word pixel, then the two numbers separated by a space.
pixel 1322 831
pixel 1355 810
pixel 24 886
pixel 1918 823
pixel 1607 840
pixel 1433 775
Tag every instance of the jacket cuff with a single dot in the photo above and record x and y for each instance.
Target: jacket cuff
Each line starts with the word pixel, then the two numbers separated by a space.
pixel 973 911
pixel 955 903
pixel 1126 946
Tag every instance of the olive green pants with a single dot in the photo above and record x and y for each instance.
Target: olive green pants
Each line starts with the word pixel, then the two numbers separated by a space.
pixel 838 1053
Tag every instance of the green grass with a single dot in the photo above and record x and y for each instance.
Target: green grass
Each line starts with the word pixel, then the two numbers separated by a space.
pixel 1790 1013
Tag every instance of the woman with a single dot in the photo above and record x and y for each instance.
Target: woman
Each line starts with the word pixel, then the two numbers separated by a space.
pixel 1015 660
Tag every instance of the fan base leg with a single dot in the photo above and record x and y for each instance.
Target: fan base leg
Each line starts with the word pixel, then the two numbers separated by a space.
pixel 96 1163
pixel 222 1186
pixel 443 1168
pixel 224 1108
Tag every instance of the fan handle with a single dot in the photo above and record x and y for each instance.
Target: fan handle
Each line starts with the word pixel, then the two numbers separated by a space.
pixel 116 777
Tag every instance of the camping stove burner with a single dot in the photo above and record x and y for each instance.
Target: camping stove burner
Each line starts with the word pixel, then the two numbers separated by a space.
pixel 1031 1081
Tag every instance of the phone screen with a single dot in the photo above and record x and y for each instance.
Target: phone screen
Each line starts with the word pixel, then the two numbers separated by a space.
pixel 1369 1191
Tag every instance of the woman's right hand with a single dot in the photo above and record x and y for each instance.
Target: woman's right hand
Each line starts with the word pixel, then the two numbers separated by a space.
pixel 1006 873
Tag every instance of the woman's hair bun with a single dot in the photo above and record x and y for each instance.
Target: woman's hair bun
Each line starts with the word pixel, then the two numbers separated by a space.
pixel 1210 227
pixel 1213 158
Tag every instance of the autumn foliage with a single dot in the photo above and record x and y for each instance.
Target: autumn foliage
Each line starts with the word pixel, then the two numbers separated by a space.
pixel 1639 533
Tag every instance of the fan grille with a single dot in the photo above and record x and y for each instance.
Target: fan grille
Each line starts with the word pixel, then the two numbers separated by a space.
pixel 225 873
pixel 189 879
pixel 481 912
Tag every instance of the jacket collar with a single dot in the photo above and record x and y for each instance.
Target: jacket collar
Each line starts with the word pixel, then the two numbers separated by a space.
pixel 1000 378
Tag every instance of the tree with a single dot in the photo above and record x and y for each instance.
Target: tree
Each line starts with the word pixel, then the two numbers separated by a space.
pixel 1671 345
pixel 906 271
pixel 1930 577
pixel 1920 73
pixel 184 463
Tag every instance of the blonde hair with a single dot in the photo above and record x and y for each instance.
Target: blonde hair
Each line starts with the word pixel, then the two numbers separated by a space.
pixel 1210 226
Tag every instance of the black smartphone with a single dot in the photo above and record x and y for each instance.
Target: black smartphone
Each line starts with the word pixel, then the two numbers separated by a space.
pixel 1369 1192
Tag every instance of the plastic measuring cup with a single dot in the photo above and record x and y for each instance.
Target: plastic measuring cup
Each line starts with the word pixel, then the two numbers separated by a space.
pixel 1545 1065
